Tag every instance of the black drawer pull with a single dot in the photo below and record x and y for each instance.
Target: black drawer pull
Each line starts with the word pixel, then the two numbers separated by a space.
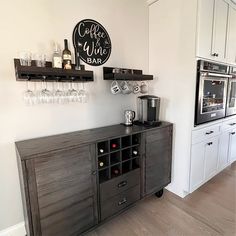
pixel 233 133
pixel 232 124
pixel 210 143
pixel 122 184
pixel 123 201
pixel 210 132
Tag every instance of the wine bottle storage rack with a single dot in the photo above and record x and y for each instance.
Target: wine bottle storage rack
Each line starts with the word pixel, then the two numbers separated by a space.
pixel 118 159
pixel 47 73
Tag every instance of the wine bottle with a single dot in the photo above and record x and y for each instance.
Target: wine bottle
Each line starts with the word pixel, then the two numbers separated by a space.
pixel 66 56
pixel 135 152
pixel 56 58
pixel 115 171
pixel 101 150
pixel 101 164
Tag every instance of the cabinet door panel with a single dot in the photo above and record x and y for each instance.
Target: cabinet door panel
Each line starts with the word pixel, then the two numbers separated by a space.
pixel 204 28
pixel 66 192
pixel 231 45
pixel 158 164
pixel 232 146
pixel 223 150
pixel 211 154
pixel 197 165
pixel 220 29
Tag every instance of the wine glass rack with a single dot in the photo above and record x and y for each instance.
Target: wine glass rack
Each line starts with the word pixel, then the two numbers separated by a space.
pixel 118 156
pixel 47 73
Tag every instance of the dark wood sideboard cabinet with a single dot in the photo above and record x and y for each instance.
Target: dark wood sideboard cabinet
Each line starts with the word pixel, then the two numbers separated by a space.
pixel 72 182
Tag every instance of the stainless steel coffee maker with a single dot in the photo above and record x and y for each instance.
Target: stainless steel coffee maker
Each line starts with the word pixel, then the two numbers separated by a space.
pixel 148 110
pixel 129 117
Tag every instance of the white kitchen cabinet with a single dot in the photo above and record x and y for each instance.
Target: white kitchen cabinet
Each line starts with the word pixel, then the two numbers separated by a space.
pixel 212 29
pixel 231 41
pixel 232 146
pixel 223 150
pixel 197 165
pixel 204 159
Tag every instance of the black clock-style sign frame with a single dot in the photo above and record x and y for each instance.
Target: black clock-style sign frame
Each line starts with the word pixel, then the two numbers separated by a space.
pixel 91 42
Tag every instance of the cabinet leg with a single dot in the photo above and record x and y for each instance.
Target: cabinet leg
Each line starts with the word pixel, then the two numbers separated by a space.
pixel 159 193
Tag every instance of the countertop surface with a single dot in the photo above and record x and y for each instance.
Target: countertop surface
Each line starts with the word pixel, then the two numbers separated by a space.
pixel 34 147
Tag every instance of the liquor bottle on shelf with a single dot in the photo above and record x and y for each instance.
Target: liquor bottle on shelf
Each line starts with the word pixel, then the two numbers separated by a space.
pixel 101 163
pixel 56 57
pixel 66 56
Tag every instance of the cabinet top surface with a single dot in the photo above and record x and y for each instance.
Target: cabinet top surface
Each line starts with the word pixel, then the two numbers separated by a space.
pixel 38 146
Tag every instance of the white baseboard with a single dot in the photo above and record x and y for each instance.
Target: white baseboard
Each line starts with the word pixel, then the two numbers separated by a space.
pixel 15 230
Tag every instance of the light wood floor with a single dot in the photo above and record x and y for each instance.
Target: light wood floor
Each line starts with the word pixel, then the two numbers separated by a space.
pixel 210 210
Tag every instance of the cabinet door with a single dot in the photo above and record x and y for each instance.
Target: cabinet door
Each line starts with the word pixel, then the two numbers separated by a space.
pixel 205 28
pixel 220 29
pixel 211 157
pixel 231 45
pixel 63 192
pixel 197 165
pixel 223 150
pixel 158 159
pixel 232 146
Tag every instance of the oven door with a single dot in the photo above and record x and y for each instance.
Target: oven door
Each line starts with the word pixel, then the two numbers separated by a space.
pixel 231 99
pixel 211 97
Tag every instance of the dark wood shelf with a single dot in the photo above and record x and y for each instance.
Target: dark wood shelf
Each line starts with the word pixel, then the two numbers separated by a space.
pixel 129 74
pixel 34 73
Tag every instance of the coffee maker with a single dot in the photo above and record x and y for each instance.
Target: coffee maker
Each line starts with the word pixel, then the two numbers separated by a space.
pixel 148 110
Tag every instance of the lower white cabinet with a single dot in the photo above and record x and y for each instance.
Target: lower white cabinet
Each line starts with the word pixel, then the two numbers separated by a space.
pixel 232 146
pixel 223 150
pixel 204 158
pixel 213 152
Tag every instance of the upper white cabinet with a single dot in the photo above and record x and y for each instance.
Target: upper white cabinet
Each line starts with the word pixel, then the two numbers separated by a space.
pixel 231 42
pixel 212 29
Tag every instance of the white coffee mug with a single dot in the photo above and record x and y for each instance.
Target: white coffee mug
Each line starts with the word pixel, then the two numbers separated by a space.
pixel 136 88
pixel 143 88
pixel 115 88
pixel 125 87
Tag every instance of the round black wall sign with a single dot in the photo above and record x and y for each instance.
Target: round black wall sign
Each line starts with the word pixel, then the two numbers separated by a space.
pixel 92 42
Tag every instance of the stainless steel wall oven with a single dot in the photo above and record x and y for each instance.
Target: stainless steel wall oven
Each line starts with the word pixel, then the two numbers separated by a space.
pixel 231 96
pixel 211 91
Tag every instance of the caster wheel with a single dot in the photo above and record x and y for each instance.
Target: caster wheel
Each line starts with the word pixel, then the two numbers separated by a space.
pixel 159 193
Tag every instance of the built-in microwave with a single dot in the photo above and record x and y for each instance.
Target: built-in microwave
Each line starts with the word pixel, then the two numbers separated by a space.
pixel 231 96
pixel 211 91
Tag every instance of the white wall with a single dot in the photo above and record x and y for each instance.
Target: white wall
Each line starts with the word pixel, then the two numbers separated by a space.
pixel 172 26
pixel 33 25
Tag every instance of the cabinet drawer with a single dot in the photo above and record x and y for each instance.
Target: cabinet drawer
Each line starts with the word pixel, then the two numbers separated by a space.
pixel 119 184
pixel 229 124
pixel 159 134
pixel 119 202
pixel 204 133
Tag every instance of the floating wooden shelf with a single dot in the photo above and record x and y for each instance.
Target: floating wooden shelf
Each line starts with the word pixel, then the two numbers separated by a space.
pixel 34 73
pixel 125 74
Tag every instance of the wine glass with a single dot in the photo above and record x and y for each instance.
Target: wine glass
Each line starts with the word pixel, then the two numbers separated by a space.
pixel 45 95
pixel 29 95
pixel 59 95
pixel 83 94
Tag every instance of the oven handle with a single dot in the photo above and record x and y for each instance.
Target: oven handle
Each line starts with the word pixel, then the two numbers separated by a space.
pixel 216 75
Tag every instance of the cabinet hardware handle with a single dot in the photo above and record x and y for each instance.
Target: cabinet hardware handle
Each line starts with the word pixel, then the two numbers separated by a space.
pixel 232 124
pixel 217 54
pixel 210 143
pixel 210 132
pixel 233 133
pixel 94 172
pixel 122 184
pixel 124 200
